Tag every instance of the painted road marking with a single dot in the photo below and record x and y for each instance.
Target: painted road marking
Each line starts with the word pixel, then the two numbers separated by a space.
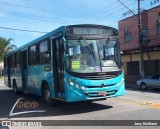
pixel 156 106
pixel 153 95
pixel 139 103
pixel 143 101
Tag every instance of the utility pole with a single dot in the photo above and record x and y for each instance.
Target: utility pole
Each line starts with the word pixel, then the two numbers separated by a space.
pixel 140 41
pixel 140 37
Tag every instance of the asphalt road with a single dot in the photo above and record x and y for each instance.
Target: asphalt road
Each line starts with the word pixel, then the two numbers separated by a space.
pixel 135 105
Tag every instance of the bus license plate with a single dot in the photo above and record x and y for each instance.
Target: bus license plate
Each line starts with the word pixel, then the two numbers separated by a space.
pixel 104 93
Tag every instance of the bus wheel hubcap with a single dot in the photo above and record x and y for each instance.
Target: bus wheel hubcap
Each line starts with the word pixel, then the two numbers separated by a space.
pixel 47 95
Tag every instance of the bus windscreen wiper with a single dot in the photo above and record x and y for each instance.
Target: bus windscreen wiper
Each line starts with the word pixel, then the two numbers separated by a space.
pixel 105 47
pixel 88 46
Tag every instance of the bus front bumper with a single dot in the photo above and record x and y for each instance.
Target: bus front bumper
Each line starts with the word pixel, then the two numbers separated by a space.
pixel 93 94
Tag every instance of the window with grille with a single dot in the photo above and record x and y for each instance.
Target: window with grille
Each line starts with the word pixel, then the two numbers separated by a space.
pixel 133 67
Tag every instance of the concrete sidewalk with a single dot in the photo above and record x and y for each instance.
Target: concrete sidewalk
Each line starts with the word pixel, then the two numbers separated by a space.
pixel 1 82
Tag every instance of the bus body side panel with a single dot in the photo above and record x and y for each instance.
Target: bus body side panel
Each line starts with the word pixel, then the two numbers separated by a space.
pixel 36 75
pixel 33 80
pixel 18 78
pixel 6 77
pixel 12 76
pixel 46 73
pixel 7 71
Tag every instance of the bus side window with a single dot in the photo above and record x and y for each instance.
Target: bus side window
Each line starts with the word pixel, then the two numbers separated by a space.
pixel 57 52
pixel 18 62
pixel 32 58
pixel 13 60
pixel 44 52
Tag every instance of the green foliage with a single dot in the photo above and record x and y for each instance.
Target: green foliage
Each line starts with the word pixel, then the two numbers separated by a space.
pixel 5 46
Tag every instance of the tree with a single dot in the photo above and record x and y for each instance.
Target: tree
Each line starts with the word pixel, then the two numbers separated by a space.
pixel 5 46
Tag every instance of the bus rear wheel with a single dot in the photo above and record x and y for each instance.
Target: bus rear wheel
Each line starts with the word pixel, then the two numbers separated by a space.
pixel 47 96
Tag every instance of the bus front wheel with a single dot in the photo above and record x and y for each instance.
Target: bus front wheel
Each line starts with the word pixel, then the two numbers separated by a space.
pixel 47 95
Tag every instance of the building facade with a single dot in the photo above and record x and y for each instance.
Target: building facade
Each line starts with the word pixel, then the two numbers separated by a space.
pixel 129 44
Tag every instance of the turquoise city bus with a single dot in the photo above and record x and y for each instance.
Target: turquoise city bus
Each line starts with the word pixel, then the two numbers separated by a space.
pixel 71 63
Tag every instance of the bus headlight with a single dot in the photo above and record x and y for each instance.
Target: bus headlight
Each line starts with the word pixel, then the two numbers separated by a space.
pixel 83 88
pixel 77 86
pixel 71 82
pixel 121 82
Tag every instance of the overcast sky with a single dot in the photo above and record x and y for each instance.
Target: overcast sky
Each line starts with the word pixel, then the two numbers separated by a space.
pixel 47 15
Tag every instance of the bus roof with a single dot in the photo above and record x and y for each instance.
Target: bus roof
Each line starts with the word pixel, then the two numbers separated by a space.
pixel 60 29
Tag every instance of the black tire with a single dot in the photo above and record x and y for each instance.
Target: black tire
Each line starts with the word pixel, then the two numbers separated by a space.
pixel 47 95
pixel 143 86
pixel 15 88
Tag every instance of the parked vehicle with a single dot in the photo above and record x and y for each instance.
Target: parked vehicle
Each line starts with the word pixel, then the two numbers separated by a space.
pixel 152 82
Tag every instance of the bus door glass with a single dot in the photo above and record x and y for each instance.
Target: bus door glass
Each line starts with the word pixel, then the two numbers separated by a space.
pixel 58 67
pixel 8 70
pixel 24 68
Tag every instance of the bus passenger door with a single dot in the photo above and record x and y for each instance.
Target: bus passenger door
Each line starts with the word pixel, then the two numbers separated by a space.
pixel 58 68
pixel 24 69
pixel 8 70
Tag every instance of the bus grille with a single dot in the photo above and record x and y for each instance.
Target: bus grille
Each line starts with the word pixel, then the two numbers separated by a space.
pixel 95 94
pixel 100 77
pixel 100 86
pixel 97 76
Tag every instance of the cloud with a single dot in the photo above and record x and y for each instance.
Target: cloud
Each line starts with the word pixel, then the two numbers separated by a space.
pixel 2 14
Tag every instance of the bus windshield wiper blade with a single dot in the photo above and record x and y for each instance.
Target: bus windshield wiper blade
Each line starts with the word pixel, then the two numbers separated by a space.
pixel 88 47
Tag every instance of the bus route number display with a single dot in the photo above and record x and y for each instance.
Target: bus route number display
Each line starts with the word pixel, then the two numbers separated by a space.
pixel 75 64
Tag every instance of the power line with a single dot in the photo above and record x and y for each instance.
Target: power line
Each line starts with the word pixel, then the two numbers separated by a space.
pixel 103 10
pixel 98 11
pixel 28 7
pixel 15 29
pixel 126 7
pixel 33 16
pixel 24 14
pixel 30 17
pixel 113 12
pixel 131 26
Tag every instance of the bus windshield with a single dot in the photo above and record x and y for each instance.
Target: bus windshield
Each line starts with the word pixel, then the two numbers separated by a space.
pixel 85 56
